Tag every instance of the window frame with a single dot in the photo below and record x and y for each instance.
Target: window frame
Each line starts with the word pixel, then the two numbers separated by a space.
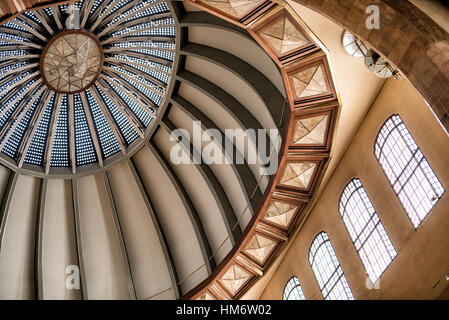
pixel 411 215
pixel 296 285
pixel 365 227
pixel 348 293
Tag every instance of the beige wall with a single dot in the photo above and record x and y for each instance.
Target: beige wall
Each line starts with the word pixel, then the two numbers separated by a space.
pixel 422 253
pixel 356 89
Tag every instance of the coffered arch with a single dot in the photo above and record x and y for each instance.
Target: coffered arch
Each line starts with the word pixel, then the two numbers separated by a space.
pixel 184 245
pixel 419 44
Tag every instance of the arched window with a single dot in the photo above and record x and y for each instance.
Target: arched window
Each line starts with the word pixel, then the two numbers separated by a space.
pixel 293 290
pixel 408 171
pixel 327 269
pixel 366 230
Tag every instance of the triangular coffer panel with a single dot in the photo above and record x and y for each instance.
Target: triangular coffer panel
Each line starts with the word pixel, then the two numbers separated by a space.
pixel 311 131
pixel 298 175
pixel 310 82
pixel 235 278
pixel 260 247
pixel 284 36
pixel 280 213
pixel 236 8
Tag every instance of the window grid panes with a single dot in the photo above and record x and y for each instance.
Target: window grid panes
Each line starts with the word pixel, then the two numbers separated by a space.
pixel 9 106
pixel 36 150
pixel 408 171
pixel 25 114
pixel 144 62
pixel 108 142
pixel 366 230
pixel 327 270
pixel 60 151
pixel 293 290
pixel 155 99
pixel 142 114
pixel 11 81
pixel 125 127
pixel 84 147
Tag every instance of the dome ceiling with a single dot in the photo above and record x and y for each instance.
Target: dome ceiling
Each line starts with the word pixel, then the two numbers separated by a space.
pixel 80 89
pixel 85 97
pixel 74 99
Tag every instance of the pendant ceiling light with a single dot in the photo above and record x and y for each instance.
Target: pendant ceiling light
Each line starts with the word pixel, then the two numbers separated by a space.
pixel 81 83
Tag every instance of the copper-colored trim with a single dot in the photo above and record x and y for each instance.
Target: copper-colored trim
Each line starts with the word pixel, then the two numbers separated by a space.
pixel 218 292
pixel 242 287
pixel 299 159
pixel 300 207
pixel 242 242
pixel 242 21
pixel 291 55
pixel 258 12
pixel 331 112
pixel 274 191
pixel 216 12
pixel 212 294
pixel 252 259
pixel 320 98
pixel 56 37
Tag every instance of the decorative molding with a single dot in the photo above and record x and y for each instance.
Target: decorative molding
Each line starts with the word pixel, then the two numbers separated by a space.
pixel 310 83
pixel 298 174
pixel 281 35
pixel 241 13
pixel 282 213
pixel 312 128
pixel 306 146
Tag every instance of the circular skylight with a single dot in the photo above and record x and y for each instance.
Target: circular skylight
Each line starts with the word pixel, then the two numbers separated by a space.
pixel 352 45
pixel 81 83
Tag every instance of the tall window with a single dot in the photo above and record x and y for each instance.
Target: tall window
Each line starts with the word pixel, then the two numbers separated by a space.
pixel 327 269
pixel 293 290
pixel 408 171
pixel 366 230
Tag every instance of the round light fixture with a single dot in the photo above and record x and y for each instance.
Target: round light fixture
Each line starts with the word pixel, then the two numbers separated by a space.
pixel 72 61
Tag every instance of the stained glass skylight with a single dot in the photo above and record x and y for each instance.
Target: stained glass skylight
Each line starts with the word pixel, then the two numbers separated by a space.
pixel 81 112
